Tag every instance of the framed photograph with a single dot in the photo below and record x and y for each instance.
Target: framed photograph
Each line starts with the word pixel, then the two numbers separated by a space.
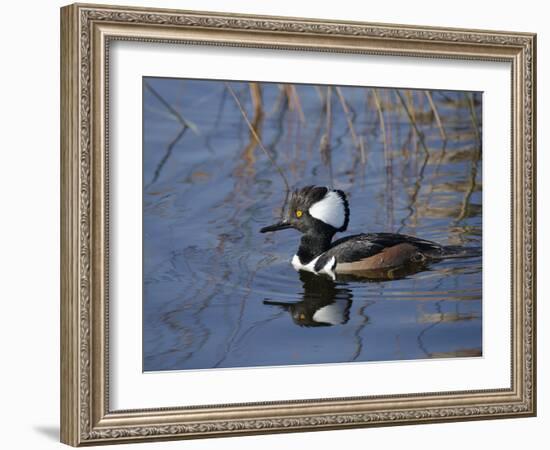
pixel 275 224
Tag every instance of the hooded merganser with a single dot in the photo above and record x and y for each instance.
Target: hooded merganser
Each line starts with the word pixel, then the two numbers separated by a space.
pixel 319 213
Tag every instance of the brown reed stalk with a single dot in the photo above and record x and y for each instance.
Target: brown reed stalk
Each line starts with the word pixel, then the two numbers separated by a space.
pixel 473 115
pixel 319 93
pixel 381 119
pixel 410 102
pixel 388 136
pixel 412 120
pixel 465 208
pixel 253 131
pixel 256 96
pixel 325 147
pixel 281 97
pixel 297 103
pixel 436 115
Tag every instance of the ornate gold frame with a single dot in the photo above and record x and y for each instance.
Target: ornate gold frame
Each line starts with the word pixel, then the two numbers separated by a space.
pixel 86 31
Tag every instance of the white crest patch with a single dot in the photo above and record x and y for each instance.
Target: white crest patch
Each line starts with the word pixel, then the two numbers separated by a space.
pixel 330 210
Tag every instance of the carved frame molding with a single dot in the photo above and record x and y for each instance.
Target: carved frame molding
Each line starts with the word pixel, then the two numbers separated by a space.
pixel 86 32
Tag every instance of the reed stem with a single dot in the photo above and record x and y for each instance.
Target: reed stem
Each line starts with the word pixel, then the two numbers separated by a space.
pixel 412 120
pixel 436 115
pixel 253 131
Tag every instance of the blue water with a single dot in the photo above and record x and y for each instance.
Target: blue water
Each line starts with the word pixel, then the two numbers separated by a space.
pixel 217 293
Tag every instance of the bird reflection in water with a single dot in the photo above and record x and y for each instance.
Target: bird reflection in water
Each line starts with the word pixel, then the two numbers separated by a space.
pixel 326 302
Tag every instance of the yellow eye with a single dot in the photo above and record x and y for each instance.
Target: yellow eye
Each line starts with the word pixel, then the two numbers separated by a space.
pixel 299 213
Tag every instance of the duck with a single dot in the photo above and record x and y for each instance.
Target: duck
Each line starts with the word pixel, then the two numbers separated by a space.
pixel 319 212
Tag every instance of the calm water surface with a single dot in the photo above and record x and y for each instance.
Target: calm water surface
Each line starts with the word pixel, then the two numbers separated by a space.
pixel 217 293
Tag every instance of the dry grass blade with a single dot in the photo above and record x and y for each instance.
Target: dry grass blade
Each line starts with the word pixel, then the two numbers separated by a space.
pixel 258 140
pixel 166 156
pixel 174 112
pixel 185 125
